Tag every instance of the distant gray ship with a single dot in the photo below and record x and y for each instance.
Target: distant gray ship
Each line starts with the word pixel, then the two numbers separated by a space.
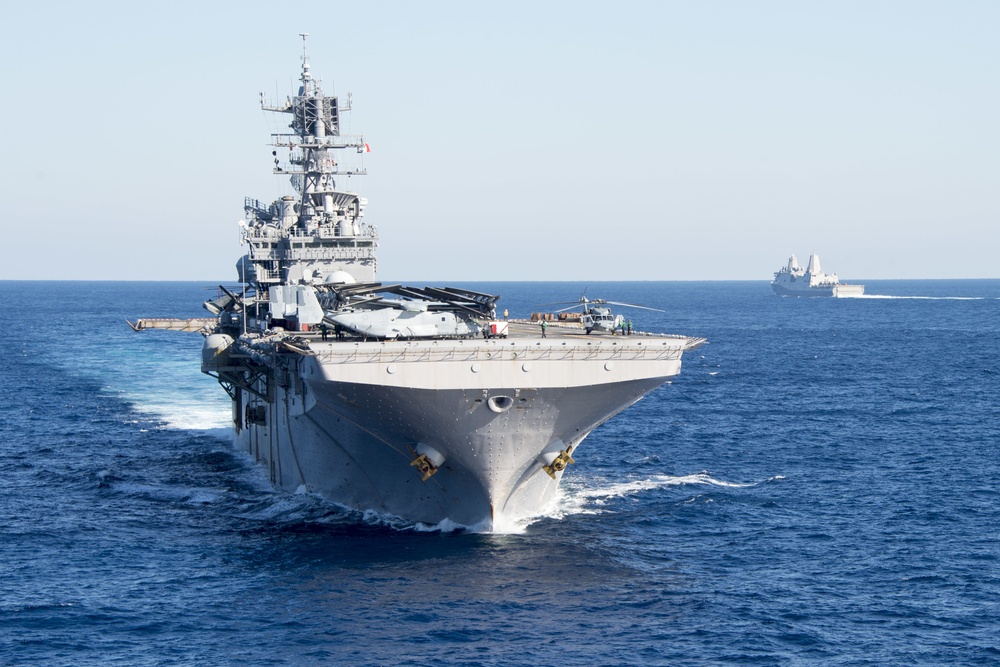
pixel 401 400
pixel 793 280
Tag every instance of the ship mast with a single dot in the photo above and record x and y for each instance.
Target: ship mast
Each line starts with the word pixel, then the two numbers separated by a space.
pixel 317 235
pixel 316 122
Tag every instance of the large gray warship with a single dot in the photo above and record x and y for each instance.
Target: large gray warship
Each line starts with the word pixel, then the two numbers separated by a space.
pixel 410 401
pixel 794 280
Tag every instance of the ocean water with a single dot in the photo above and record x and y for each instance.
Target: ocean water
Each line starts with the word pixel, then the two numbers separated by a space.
pixel 820 485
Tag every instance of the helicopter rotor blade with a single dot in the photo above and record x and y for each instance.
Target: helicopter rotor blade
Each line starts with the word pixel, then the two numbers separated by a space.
pixel 584 302
pixel 561 303
pixel 632 305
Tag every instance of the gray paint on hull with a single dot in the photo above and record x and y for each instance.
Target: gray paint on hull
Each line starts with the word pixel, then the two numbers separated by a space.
pixel 355 446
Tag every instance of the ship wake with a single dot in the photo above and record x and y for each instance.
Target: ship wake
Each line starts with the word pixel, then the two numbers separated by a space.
pixel 921 298
pixel 579 497
pixel 583 498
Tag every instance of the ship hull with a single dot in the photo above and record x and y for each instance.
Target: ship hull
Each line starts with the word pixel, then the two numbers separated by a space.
pixel 839 290
pixel 349 423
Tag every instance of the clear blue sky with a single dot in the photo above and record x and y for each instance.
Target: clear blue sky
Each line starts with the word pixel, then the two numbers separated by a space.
pixel 516 140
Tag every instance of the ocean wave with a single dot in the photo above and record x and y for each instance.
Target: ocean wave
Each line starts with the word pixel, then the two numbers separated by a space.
pixel 449 526
pixel 162 493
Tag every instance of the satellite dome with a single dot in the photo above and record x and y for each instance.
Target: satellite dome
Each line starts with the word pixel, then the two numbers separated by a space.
pixel 340 277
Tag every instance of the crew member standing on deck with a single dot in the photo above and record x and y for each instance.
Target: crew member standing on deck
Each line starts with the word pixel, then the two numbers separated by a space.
pixel 505 314
pixel 545 326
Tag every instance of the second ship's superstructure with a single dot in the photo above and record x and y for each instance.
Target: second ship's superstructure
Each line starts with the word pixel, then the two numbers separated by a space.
pixel 392 398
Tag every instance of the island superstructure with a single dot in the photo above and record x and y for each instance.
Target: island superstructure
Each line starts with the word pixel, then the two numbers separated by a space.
pixel 793 280
pixel 393 398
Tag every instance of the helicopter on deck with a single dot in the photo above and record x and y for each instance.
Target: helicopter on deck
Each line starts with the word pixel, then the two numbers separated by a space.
pixel 597 316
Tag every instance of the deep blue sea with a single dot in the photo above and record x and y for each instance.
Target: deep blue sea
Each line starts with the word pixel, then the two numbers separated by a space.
pixel 820 486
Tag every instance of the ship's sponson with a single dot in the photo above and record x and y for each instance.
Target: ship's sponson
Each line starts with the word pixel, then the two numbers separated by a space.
pixel 461 364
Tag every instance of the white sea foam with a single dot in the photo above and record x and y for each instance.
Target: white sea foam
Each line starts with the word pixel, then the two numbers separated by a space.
pixel 658 482
pixel 504 526
pixel 186 410
pixel 582 498
pixel 189 415
pixel 922 298
pixel 167 389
